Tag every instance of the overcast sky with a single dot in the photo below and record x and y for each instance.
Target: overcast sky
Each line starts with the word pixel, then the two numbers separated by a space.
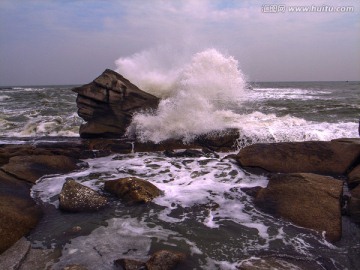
pixel 71 42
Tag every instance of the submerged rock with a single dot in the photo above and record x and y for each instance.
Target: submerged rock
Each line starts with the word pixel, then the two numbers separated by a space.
pixel 165 260
pixel 160 260
pixel 75 197
pixel 354 204
pixel 108 103
pixel 222 140
pixel 127 264
pixel 308 200
pixel 133 189
pixel 334 157
pixel 31 168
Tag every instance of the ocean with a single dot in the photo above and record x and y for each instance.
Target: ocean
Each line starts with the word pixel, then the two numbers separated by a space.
pixel 203 212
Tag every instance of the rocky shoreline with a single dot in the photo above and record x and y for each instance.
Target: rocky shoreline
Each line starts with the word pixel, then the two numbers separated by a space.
pixel 306 179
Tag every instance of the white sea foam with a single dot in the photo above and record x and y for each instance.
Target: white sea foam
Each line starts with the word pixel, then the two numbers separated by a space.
pixel 197 98
pixel 195 95
pixel 4 97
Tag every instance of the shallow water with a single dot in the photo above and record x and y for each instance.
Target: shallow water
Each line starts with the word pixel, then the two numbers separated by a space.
pixel 202 213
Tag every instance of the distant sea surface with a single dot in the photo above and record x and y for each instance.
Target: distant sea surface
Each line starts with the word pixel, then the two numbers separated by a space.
pixel 269 111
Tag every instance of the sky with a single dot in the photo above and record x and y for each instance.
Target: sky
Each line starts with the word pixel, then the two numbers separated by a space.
pixel 47 42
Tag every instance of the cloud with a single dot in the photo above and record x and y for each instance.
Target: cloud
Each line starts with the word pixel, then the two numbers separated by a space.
pixel 76 40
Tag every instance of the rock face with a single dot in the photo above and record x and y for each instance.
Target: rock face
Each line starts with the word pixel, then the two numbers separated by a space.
pixel 354 204
pixel 75 197
pixel 308 200
pixel 108 103
pixel 31 168
pixel 334 157
pixel 133 189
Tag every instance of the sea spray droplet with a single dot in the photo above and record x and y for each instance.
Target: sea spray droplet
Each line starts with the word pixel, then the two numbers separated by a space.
pixel 195 100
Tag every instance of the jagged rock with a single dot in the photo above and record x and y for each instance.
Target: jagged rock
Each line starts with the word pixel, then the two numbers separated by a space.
pixel 354 204
pixel 75 197
pixel 334 157
pixel 165 260
pixel 31 168
pixel 19 214
pixel 108 103
pixel 354 177
pixel 133 189
pixel 308 200
pixel 127 264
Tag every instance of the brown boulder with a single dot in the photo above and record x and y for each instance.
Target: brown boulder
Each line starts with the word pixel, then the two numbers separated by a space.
pixel 334 157
pixel 354 177
pixel 133 189
pixel 354 204
pixel 108 103
pixel 75 197
pixel 164 260
pixel 18 212
pixel 31 168
pixel 308 200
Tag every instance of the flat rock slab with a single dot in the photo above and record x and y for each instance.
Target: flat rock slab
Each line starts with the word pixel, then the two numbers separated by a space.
pixel 132 189
pixel 308 200
pixel 75 197
pixel 333 158
pixel 12 258
pixel 31 168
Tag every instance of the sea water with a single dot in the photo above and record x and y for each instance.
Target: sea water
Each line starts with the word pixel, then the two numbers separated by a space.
pixel 203 211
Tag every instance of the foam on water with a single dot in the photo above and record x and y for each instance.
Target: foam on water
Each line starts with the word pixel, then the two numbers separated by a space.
pixel 202 199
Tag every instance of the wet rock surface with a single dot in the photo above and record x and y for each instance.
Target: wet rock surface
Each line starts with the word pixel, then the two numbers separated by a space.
pixel 75 197
pixel 334 157
pixel 132 189
pixel 31 168
pixel 308 200
pixel 165 260
pixel 127 264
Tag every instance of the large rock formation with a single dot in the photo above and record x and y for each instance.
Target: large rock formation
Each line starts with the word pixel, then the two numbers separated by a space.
pixel 334 157
pixel 108 103
pixel 308 200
